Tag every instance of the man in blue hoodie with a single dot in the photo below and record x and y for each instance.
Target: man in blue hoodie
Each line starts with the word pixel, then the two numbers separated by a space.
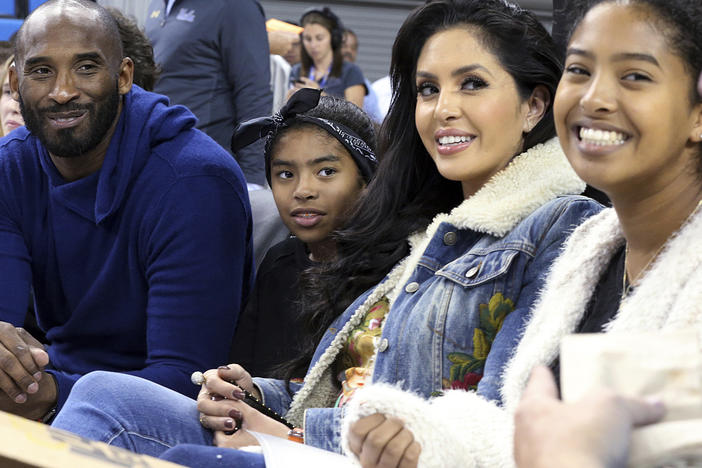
pixel 133 228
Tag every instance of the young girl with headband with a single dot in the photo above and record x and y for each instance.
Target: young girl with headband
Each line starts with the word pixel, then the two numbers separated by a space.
pixel 437 267
pixel 319 158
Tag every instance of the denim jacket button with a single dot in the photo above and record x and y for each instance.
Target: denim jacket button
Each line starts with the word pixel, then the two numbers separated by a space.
pixel 450 238
pixel 472 272
pixel 412 287
pixel 383 345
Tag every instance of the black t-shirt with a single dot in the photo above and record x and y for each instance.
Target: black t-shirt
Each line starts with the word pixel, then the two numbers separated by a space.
pixel 604 303
pixel 269 331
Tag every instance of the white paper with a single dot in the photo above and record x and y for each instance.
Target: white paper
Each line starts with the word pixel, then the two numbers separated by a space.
pixel 282 453
pixel 665 365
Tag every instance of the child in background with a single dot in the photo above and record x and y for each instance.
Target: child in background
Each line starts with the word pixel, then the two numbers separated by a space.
pixel 316 176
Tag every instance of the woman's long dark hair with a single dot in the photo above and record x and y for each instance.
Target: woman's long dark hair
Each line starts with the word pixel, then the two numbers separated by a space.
pixel 408 191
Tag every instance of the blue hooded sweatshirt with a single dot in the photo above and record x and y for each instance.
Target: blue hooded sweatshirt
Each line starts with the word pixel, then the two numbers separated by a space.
pixel 140 267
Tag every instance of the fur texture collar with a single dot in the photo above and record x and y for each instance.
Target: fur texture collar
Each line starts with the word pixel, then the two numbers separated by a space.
pixel 668 296
pixel 531 179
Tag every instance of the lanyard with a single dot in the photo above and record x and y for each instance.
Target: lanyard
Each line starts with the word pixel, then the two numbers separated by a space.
pixel 323 81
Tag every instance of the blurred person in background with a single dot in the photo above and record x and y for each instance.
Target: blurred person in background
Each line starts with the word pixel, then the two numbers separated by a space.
pixel 349 50
pixel 322 65
pixel 215 60
pixel 10 116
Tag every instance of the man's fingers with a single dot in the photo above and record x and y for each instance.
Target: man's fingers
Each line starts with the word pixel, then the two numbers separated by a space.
pixel 41 358
pixel 14 341
pixel 36 348
pixel 17 362
pixel 10 388
pixel 643 412
pixel 541 383
pixel 29 339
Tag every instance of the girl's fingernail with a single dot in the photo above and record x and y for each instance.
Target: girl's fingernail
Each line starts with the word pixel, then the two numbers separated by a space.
pixel 238 394
pixel 229 423
pixel 21 398
pixel 224 367
pixel 234 413
pixel 37 376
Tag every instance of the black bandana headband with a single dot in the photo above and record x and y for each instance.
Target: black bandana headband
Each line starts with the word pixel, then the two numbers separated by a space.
pixel 302 101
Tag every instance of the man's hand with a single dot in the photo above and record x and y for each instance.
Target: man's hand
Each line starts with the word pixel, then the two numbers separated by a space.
pixel 593 432
pixel 22 359
pixel 379 441
pixel 37 404
pixel 280 42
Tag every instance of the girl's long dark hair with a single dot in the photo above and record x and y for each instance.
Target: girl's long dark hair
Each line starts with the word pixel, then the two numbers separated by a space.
pixel 408 191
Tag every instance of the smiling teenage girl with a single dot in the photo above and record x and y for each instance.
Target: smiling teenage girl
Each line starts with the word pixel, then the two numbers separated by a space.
pixel 629 117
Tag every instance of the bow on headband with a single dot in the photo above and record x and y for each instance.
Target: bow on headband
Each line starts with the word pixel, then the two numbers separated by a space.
pixel 303 101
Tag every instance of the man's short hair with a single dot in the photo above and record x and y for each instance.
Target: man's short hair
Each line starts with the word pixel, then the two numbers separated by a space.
pixel 110 27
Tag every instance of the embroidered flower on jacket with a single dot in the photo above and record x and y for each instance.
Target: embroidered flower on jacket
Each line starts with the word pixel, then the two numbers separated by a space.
pixel 467 369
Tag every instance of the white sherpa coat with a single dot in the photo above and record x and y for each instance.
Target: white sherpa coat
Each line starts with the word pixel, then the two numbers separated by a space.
pixel 462 429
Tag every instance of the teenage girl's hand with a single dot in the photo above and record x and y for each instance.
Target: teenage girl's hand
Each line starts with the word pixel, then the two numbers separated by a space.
pixel 219 395
pixel 380 441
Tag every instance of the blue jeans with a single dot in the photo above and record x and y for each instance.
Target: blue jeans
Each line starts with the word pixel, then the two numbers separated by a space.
pixel 143 417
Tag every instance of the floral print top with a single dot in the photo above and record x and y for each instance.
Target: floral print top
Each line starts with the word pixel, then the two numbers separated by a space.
pixel 358 355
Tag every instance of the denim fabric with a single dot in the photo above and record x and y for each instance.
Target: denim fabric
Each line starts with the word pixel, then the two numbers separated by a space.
pixel 457 277
pixel 429 327
pixel 199 456
pixel 132 413
pixel 143 417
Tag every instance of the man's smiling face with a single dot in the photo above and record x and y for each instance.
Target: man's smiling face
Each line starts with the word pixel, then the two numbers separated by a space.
pixel 67 80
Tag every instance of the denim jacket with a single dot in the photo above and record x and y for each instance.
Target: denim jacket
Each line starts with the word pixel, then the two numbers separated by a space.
pixel 459 301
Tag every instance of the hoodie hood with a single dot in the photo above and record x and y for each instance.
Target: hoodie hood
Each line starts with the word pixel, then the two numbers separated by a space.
pixel 146 120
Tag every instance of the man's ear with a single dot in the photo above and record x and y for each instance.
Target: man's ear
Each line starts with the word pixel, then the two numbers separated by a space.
pixel 696 132
pixel 14 82
pixel 538 102
pixel 125 78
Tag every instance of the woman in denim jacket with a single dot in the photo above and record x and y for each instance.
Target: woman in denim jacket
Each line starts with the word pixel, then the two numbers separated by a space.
pixel 438 265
